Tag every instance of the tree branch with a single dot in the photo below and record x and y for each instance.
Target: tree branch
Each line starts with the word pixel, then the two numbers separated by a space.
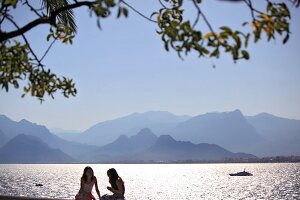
pixel 138 12
pixel 32 9
pixel 43 20
pixel 204 17
pixel 26 41
pixel 46 52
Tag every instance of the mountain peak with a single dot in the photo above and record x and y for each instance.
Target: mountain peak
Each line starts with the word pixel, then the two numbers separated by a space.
pixel 26 140
pixel 264 114
pixel 165 139
pixel 24 121
pixel 145 135
pixel 4 117
pixel 237 111
pixel 145 131
pixel 122 138
pixel 30 149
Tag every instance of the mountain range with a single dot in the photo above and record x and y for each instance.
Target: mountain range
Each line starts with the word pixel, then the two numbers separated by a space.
pixel 230 130
pixel 263 134
pixel 31 149
pixel 131 137
pixel 146 146
pixel 107 131
pixel 11 129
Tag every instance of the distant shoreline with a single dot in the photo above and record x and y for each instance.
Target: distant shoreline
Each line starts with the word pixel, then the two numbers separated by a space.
pixel 26 198
pixel 276 159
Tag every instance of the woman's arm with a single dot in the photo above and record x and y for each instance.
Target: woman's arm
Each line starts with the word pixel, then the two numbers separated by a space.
pixel 120 190
pixel 81 190
pixel 97 189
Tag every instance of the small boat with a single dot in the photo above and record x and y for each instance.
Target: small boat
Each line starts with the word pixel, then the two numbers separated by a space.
pixel 39 185
pixel 244 173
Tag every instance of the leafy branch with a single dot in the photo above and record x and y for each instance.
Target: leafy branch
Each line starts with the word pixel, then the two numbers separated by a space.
pixel 19 62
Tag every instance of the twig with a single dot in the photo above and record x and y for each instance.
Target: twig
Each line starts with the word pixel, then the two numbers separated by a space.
pixel 204 17
pixel 46 52
pixel 250 5
pixel 32 9
pixel 138 12
pixel 163 5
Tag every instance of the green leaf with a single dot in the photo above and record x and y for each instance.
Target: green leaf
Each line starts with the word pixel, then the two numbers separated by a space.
pixel 215 53
pixel 125 12
pixel 226 29
pixel 167 45
pixel 286 39
pixel 119 12
pixel 245 54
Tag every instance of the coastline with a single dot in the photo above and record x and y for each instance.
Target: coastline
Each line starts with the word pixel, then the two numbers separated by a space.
pixel 26 198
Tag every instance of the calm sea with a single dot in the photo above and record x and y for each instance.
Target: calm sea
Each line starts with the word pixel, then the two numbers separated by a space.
pixel 158 181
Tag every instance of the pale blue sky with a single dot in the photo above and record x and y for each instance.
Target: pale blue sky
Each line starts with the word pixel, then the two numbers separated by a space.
pixel 124 69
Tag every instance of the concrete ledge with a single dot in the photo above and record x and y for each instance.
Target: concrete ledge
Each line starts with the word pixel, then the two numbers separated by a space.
pixel 26 198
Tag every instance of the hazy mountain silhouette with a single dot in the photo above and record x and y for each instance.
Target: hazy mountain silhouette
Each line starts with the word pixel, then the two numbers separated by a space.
pixel 3 138
pixel 282 135
pixel 31 149
pixel 261 135
pixel 228 129
pixel 11 129
pixel 166 148
pixel 146 146
pixel 125 145
pixel 106 132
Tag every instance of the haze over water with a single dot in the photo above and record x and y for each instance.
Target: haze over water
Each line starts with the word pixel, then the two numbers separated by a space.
pixel 158 181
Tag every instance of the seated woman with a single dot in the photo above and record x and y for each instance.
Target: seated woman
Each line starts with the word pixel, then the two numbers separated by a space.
pixel 117 186
pixel 88 180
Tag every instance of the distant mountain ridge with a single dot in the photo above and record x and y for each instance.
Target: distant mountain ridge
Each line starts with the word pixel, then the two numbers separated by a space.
pixel 282 135
pixel 262 135
pixel 12 128
pixel 124 145
pixel 106 132
pixel 230 130
pixel 167 148
pixel 3 138
pixel 164 148
pixel 30 149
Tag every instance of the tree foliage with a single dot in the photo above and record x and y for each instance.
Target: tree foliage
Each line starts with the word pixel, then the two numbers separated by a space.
pixel 18 60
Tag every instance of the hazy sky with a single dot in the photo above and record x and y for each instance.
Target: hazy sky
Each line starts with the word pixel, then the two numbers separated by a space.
pixel 124 68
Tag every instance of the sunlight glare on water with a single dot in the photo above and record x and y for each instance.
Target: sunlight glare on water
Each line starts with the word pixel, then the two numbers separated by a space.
pixel 158 181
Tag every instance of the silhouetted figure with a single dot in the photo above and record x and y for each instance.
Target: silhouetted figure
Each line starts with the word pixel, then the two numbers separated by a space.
pixel 117 186
pixel 88 180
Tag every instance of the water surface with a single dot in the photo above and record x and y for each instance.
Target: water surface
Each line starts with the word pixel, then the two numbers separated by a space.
pixel 158 181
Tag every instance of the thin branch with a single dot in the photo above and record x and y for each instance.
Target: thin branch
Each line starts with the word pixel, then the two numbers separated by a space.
pixel 3 17
pixel 27 43
pixel 250 5
pixel 163 5
pixel 138 12
pixel 198 15
pixel 204 17
pixel 46 52
pixel 2 6
pixel 32 9
pixel 20 31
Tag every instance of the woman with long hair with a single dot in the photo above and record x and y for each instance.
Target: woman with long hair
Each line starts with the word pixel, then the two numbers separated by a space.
pixel 88 180
pixel 117 186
